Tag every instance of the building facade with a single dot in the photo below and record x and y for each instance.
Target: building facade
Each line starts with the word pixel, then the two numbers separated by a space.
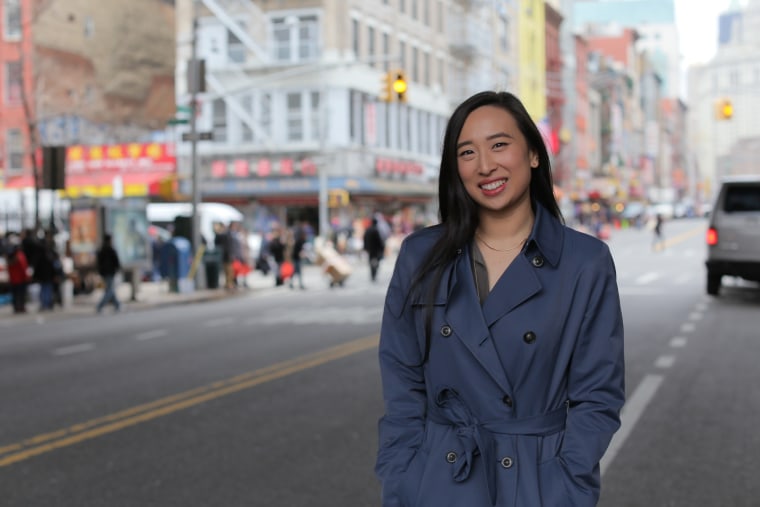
pixel 77 72
pixel 720 144
pixel 293 101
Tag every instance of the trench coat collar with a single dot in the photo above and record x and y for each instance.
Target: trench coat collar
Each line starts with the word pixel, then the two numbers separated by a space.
pixel 520 282
pixel 465 315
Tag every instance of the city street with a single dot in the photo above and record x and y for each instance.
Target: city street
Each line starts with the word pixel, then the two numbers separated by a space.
pixel 272 398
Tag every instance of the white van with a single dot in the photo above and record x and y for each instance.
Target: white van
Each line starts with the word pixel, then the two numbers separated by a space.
pixel 163 214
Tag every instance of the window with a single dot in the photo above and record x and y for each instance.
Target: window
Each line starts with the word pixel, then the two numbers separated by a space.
pixel 12 19
pixel 742 198
pixel 402 54
pixel 265 114
pixel 415 14
pixel 219 120
pixel 415 65
pixel 355 42
pixel 426 69
pixel 13 82
pixel 295 38
pixel 386 50
pixel 14 147
pixel 316 118
pixel 294 117
pixel 235 48
pixel 371 45
pixel 89 27
pixel 246 135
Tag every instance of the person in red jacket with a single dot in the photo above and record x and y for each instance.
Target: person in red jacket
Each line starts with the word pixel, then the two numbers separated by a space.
pixel 18 277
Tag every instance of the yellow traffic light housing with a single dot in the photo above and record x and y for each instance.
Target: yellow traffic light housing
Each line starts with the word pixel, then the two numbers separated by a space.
pixel 386 87
pixel 724 109
pixel 399 85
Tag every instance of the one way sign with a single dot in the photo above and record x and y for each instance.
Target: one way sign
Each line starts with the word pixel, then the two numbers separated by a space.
pixel 200 136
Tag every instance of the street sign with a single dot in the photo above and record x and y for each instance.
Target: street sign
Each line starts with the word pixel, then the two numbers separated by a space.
pixel 178 121
pixel 200 136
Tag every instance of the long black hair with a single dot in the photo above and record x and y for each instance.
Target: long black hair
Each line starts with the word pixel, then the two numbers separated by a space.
pixel 458 211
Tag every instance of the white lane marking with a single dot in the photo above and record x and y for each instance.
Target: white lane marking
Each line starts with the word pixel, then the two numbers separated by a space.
pixel 149 335
pixel 665 361
pixel 677 342
pixel 224 321
pixel 695 316
pixel 630 414
pixel 688 327
pixel 700 307
pixel 73 349
pixel 647 278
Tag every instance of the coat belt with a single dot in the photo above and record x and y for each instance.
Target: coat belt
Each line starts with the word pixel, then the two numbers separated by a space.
pixel 478 437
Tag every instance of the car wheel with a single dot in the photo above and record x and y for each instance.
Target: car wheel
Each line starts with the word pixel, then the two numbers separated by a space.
pixel 713 283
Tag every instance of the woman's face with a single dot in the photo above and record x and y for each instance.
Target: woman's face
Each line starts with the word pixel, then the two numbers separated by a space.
pixel 494 161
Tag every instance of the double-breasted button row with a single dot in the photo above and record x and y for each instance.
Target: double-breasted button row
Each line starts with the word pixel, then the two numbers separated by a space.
pixel 451 457
pixel 507 462
pixel 445 330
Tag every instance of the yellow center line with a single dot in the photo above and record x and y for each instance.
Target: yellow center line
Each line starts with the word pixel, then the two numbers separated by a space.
pixel 93 428
pixel 680 238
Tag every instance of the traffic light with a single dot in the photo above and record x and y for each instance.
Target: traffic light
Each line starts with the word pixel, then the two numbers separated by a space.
pixel 724 109
pixel 399 85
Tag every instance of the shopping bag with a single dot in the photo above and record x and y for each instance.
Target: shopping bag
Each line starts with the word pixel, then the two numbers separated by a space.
pixel 286 270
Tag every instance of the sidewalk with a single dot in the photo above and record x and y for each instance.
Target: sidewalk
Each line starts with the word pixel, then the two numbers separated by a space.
pixel 157 294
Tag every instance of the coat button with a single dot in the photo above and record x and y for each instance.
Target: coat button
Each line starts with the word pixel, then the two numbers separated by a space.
pixel 507 400
pixel 538 261
pixel 506 462
pixel 446 330
pixel 451 457
pixel 529 337
pixel 459 251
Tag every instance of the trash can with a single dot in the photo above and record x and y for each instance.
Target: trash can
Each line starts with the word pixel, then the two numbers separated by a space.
pixel 175 263
pixel 213 262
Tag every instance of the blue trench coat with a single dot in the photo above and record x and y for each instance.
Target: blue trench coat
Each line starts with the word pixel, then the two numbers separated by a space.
pixel 519 397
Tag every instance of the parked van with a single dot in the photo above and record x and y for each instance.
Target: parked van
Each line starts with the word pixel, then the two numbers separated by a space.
pixel 733 237
pixel 164 215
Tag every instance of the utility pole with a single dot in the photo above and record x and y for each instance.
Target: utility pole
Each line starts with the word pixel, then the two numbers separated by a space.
pixel 195 83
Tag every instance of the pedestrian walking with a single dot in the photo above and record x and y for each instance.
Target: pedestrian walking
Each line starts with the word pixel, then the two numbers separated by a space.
pixel 277 251
pixel 299 241
pixel 108 266
pixel 46 269
pixel 501 345
pixel 374 245
pixel 18 276
pixel 657 239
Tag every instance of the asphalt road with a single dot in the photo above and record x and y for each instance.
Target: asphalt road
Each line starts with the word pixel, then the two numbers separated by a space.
pixel 272 399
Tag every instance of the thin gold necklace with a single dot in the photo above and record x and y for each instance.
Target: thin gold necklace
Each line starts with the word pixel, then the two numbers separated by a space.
pixel 520 244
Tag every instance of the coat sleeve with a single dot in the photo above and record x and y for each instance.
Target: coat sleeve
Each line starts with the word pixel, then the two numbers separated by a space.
pixel 596 379
pixel 401 429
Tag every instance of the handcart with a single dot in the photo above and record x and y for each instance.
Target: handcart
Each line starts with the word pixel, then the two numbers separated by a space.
pixel 334 265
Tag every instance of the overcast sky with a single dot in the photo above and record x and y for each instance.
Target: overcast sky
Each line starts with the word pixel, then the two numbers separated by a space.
pixel 697 23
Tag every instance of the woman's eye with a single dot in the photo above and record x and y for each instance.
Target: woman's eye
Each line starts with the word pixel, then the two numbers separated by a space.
pixel 499 145
pixel 464 153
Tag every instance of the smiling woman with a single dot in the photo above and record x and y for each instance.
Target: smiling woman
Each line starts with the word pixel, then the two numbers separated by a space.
pixel 475 378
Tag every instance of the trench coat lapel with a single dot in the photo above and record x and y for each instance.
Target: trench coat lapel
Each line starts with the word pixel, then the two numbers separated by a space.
pixel 465 316
pixel 518 284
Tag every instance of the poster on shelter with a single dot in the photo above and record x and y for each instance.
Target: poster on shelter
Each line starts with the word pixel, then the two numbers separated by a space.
pixel 129 230
pixel 83 223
